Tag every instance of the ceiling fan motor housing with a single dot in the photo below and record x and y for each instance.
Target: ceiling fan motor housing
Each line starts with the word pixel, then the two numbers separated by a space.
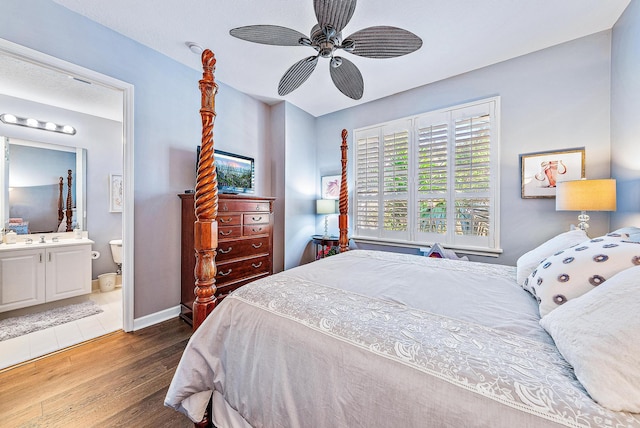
pixel 325 40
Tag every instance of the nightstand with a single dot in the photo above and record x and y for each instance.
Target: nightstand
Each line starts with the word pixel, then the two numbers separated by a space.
pixel 325 245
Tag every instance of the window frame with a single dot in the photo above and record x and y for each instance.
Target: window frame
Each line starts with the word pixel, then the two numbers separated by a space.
pixel 468 244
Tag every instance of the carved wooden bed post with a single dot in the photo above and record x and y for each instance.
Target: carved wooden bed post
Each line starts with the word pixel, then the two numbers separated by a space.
pixel 60 203
pixel 206 200
pixel 343 218
pixel 69 211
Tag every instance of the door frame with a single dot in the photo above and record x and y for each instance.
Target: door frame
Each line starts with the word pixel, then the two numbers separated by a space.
pixel 18 51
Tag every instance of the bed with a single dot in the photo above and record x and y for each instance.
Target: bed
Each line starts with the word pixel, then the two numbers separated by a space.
pixel 377 339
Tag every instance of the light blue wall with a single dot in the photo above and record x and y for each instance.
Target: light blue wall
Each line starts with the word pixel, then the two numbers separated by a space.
pixel 301 181
pixel 625 116
pixel 552 99
pixel 277 161
pixel 166 131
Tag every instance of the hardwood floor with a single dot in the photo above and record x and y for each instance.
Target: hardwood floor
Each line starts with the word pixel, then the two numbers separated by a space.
pixel 119 380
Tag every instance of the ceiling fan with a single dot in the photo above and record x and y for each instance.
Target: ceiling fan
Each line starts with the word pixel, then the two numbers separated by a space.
pixel 326 38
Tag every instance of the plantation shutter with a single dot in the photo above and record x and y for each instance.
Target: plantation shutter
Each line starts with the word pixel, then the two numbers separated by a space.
pixel 395 180
pixel 431 178
pixel 473 190
pixel 432 175
pixel 367 155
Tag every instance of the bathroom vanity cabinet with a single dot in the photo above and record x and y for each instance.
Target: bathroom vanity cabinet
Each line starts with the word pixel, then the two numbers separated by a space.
pixel 32 274
pixel 245 244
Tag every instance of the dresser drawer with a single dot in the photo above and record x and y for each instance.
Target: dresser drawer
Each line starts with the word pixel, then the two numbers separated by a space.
pixel 228 250
pixel 255 218
pixel 244 206
pixel 232 271
pixel 229 220
pixel 256 229
pixel 226 232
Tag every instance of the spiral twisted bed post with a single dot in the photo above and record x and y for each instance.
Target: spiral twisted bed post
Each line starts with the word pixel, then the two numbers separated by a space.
pixel 343 218
pixel 69 211
pixel 206 200
pixel 60 201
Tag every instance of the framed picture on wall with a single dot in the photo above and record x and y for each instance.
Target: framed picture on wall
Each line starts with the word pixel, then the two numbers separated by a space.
pixel 116 193
pixel 331 186
pixel 541 171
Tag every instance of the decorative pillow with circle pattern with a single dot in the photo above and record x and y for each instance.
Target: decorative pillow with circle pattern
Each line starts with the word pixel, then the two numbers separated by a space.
pixel 572 272
pixel 530 260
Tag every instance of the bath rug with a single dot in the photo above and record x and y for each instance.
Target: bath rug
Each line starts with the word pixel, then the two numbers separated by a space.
pixel 18 326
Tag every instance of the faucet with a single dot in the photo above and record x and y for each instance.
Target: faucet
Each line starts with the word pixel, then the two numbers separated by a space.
pixel 28 241
pixel 42 239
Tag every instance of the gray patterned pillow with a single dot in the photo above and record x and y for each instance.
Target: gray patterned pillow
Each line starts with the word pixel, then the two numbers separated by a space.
pixel 570 273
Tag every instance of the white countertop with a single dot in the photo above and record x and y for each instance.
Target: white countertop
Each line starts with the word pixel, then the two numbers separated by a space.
pixel 49 243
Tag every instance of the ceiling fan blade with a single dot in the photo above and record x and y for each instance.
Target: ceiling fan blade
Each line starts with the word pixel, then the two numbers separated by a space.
pixel 296 75
pixel 348 79
pixel 268 35
pixel 383 42
pixel 335 13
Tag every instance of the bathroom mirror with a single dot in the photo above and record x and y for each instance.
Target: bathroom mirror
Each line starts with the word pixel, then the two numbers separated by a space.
pixel 36 191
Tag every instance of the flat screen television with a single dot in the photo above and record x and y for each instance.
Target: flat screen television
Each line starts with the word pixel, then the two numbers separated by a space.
pixel 236 173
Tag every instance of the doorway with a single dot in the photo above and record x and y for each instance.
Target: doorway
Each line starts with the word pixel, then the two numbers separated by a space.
pixel 124 91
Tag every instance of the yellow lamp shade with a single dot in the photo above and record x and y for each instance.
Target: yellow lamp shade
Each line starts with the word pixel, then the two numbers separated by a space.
pixel 586 195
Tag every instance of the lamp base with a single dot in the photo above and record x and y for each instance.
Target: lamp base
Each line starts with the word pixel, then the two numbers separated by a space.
pixel 584 219
pixel 326 227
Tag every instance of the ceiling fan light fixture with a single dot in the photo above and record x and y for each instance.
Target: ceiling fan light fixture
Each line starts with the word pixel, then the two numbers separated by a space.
pixel 329 32
pixel 348 45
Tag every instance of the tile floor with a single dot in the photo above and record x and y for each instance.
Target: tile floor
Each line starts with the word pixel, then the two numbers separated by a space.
pixel 39 343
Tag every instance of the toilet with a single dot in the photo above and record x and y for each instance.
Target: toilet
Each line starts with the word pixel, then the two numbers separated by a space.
pixel 116 253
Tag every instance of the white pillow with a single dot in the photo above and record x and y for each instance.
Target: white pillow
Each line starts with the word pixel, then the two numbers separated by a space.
pixel 599 335
pixel 530 260
pixel 572 272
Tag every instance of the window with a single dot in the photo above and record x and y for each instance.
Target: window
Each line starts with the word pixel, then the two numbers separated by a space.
pixel 430 178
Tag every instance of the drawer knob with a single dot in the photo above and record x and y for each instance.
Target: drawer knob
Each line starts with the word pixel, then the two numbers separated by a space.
pixel 257 245
pixel 256 265
pixel 256 229
pixel 228 250
pixel 225 273
pixel 256 218
pixel 225 220
pixel 225 234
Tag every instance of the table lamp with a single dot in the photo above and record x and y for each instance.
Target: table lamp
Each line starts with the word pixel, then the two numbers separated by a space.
pixel 586 195
pixel 326 207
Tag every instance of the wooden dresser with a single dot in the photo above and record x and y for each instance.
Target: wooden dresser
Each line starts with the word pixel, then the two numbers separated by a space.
pixel 245 244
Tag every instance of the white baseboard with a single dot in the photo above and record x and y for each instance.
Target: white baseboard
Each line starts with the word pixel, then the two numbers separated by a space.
pixel 155 318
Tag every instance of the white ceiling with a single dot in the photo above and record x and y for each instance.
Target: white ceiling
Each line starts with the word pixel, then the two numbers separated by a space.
pixel 458 36
pixel 33 82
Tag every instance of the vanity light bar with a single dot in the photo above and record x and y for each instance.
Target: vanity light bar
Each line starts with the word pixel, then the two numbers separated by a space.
pixel 11 119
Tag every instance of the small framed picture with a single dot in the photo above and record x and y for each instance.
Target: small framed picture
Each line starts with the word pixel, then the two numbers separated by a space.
pixel 541 171
pixel 116 193
pixel 330 186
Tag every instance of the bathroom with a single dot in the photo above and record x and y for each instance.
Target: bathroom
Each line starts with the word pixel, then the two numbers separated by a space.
pixel 96 152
